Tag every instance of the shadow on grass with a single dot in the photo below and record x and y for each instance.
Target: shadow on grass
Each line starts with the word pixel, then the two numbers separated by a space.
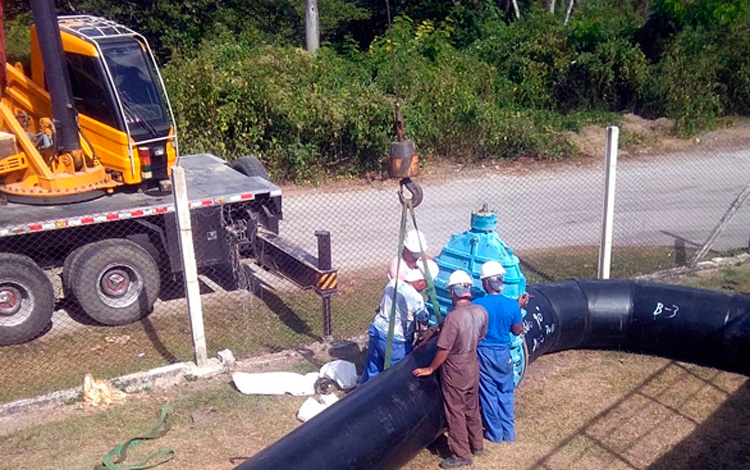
pixel 277 305
pixel 156 342
pixel 648 413
pixel 719 442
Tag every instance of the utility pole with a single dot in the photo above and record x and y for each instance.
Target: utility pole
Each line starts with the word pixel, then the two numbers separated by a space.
pixel 312 30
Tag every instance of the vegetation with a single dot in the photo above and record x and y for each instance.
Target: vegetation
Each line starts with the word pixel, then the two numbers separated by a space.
pixel 475 80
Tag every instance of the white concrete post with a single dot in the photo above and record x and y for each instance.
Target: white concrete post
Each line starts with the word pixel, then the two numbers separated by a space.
pixel 312 28
pixel 610 166
pixel 189 266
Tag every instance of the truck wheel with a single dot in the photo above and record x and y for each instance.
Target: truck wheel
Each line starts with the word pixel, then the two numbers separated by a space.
pixel 27 299
pixel 68 268
pixel 250 166
pixel 115 281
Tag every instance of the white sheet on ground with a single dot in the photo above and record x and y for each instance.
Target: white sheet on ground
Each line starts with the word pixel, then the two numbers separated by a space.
pixel 312 406
pixel 344 373
pixel 275 383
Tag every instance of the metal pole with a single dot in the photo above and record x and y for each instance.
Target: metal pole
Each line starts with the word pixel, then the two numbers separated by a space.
pixel 324 263
pixel 327 317
pixel 610 164
pixel 324 249
pixel 736 204
pixel 189 266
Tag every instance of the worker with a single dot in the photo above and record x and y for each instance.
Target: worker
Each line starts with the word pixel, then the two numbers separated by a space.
pixel 495 364
pixel 415 246
pixel 463 328
pixel 410 308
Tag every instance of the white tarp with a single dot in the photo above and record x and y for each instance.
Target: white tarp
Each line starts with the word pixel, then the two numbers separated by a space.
pixel 312 406
pixel 344 373
pixel 275 383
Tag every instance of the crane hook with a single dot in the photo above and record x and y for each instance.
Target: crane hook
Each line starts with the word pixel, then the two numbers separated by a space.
pixel 414 189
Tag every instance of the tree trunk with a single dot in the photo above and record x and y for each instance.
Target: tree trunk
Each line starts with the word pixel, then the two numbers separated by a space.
pixel 570 9
pixel 312 31
pixel 515 8
pixel 552 6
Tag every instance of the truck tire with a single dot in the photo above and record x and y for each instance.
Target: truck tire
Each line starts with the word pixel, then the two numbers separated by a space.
pixel 68 268
pixel 250 166
pixel 27 299
pixel 116 282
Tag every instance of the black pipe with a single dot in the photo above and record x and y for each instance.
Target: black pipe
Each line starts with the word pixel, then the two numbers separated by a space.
pixel 683 323
pixel 386 422
pixel 381 425
pixel 56 75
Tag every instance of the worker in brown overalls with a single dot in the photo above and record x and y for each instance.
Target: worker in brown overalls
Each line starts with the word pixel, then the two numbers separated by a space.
pixel 463 328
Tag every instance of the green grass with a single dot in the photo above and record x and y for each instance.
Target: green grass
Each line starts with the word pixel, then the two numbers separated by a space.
pixel 581 262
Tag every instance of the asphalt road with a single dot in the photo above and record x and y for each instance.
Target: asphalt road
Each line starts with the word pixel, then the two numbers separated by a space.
pixel 659 200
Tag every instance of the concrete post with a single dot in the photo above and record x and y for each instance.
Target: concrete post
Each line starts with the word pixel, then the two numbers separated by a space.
pixel 189 266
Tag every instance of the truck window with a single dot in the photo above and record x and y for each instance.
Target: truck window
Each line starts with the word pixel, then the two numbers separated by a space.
pixel 89 89
pixel 138 88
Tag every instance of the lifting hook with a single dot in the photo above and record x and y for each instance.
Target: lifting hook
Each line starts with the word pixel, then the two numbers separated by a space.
pixel 414 189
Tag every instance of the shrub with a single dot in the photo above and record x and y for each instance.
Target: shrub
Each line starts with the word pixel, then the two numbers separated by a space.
pixel 688 81
pixel 296 112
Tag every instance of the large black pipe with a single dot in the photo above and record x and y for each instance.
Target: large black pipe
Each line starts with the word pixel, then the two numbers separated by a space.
pixel 385 423
pixel 56 75
pixel 380 425
pixel 684 323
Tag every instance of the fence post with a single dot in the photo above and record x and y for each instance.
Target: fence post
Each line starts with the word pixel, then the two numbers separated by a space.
pixel 610 167
pixel 736 204
pixel 189 266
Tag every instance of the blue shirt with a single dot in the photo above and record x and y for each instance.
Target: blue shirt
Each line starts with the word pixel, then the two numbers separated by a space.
pixel 502 312
pixel 409 308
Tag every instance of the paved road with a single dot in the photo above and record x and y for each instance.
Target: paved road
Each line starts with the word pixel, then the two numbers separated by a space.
pixel 660 199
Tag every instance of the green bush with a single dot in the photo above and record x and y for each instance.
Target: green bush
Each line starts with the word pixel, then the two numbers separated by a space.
pixel 688 81
pixel 735 71
pixel 291 109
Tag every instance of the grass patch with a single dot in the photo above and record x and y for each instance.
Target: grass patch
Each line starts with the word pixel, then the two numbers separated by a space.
pixel 582 262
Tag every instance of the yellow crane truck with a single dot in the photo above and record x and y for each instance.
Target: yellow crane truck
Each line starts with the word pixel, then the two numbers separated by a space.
pixel 87 143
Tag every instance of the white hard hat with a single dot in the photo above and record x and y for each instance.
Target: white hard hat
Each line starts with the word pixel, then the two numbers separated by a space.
pixel 491 269
pixel 415 275
pixel 415 242
pixel 459 277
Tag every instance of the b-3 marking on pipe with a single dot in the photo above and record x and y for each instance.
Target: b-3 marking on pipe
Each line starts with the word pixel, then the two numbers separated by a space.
pixel 661 308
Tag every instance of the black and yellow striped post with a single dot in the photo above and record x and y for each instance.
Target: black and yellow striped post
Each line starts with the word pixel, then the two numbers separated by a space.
pixel 328 280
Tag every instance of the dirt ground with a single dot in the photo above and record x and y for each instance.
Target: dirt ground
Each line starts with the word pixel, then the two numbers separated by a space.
pixel 575 410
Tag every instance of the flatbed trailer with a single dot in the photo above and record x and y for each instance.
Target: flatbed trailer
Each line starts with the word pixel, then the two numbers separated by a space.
pixel 116 251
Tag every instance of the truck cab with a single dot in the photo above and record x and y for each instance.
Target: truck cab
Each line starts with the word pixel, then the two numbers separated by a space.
pixel 123 107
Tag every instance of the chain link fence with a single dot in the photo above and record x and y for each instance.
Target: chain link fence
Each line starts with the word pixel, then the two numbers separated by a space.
pixel 115 289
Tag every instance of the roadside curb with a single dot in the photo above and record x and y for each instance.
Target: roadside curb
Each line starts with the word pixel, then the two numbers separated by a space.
pixel 159 377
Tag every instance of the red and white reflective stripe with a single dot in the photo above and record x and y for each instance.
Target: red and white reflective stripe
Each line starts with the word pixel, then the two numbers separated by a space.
pixel 129 214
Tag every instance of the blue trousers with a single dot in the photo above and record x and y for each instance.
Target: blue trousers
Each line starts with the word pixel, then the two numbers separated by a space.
pixel 496 392
pixel 375 362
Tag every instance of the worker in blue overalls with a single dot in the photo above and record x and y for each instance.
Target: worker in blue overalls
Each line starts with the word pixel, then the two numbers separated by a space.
pixel 495 364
